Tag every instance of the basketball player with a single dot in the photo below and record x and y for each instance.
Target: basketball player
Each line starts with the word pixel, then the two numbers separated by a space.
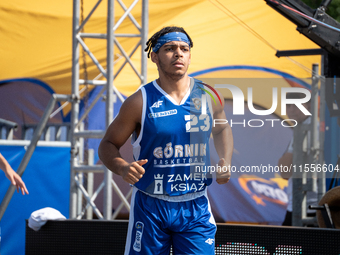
pixel 171 120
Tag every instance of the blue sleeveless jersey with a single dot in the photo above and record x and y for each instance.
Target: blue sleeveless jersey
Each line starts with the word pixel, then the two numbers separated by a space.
pixel 175 140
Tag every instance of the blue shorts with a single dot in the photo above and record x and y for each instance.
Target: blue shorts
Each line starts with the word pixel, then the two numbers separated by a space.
pixel 155 225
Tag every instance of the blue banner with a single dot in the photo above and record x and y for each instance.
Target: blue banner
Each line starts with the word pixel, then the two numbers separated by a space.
pixel 47 179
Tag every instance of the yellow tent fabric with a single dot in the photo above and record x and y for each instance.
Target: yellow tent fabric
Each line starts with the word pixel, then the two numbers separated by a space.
pixel 37 38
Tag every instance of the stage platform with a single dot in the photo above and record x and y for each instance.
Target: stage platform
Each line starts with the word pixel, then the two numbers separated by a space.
pixel 98 237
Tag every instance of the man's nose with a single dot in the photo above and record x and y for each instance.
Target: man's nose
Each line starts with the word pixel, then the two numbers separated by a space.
pixel 178 52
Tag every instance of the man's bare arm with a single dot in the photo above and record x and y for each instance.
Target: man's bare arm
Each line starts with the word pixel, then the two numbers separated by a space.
pixel 126 122
pixel 224 143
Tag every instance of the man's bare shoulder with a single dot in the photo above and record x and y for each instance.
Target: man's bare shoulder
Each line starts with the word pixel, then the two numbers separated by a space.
pixel 133 102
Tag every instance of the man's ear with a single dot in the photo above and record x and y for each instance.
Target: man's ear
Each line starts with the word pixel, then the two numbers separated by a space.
pixel 154 57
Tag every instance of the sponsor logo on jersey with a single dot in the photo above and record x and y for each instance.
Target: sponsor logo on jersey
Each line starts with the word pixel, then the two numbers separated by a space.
pixel 197 103
pixel 157 104
pixel 162 114
pixel 158 184
pixel 179 151
pixel 186 182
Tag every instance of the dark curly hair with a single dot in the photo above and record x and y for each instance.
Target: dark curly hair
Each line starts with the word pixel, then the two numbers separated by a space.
pixel 153 40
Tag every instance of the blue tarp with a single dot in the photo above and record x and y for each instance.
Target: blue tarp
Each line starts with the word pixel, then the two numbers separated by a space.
pixel 47 179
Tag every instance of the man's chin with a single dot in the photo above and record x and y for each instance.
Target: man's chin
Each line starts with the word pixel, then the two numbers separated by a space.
pixel 177 74
pixel 180 72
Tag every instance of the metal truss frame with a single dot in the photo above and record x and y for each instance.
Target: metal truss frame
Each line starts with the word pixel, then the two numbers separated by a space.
pixel 79 166
pixel 304 181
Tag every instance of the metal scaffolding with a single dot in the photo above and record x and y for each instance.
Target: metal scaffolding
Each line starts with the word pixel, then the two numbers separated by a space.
pixel 82 166
pixel 308 152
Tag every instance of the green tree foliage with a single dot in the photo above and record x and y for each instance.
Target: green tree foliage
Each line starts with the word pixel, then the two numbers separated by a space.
pixel 333 9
